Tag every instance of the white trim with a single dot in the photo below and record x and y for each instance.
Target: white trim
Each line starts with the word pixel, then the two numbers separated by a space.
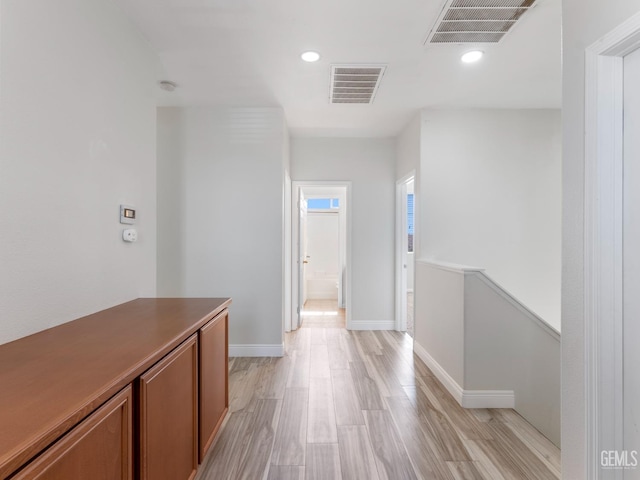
pixel 451 267
pixel 372 325
pixel 256 350
pixel 488 399
pixel 466 398
pixel 296 185
pixel 441 374
pixel 604 393
pixel 286 252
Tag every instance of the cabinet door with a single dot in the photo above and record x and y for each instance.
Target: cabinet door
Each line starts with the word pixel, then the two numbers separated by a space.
pixel 99 448
pixel 214 379
pixel 169 415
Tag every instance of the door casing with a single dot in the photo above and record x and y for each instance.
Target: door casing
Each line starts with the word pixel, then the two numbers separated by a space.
pixel 295 253
pixel 603 249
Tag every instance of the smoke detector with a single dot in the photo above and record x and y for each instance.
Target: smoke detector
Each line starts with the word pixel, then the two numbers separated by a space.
pixel 167 85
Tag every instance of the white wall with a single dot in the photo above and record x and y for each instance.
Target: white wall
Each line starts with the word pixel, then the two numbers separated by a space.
pixel 221 186
pixel 287 225
pixel 479 342
pixel 584 22
pixel 77 133
pixel 408 148
pixel 439 317
pixel 369 163
pixel 506 350
pixel 490 197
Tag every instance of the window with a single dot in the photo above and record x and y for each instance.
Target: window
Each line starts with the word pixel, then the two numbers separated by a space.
pixel 323 203
pixel 410 221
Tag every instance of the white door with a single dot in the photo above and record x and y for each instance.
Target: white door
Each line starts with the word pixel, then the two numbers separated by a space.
pixel 631 263
pixel 323 255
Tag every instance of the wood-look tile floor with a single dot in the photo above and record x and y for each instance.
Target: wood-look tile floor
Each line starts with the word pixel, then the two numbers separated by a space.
pixel 322 314
pixel 360 405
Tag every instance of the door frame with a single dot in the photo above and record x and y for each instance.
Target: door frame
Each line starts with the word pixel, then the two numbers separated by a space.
pixel 297 185
pixel 603 249
pixel 401 224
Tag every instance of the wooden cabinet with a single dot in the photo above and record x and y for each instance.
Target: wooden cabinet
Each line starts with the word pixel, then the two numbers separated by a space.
pixel 99 448
pixel 137 391
pixel 214 387
pixel 168 414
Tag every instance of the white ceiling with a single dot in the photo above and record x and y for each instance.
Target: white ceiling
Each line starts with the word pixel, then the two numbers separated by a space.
pixel 247 53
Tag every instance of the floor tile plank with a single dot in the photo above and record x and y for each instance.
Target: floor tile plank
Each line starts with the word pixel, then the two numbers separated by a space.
pixel 319 361
pixel 273 379
pixel 286 472
pixel 348 411
pixel 356 453
pixel 465 471
pixel 461 419
pixel 224 456
pixel 391 457
pixel 323 462
pixel 338 358
pixel 256 455
pixel 366 388
pixel 385 374
pixel 242 394
pixel 291 437
pixel 321 425
pixel 518 452
pixel 299 372
pixel 438 432
pixel 542 447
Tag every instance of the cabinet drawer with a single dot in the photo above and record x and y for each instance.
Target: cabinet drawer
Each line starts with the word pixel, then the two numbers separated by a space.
pixel 99 448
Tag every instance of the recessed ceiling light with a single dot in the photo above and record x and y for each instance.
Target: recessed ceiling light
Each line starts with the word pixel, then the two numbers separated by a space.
pixel 310 56
pixel 472 56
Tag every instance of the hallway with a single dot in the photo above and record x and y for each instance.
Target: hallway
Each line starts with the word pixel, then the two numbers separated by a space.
pixel 360 405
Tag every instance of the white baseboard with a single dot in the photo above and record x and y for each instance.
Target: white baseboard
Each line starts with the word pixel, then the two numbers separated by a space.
pixel 372 325
pixel 488 399
pixel 441 374
pixel 466 398
pixel 256 350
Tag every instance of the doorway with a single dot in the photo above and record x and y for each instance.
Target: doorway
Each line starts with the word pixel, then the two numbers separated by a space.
pixel 320 254
pixel 405 254
pixel 612 255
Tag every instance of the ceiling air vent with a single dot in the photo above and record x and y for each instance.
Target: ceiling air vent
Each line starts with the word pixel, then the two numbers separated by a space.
pixel 355 83
pixel 477 21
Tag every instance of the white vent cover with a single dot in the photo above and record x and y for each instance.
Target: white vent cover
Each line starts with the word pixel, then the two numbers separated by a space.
pixel 477 21
pixel 355 83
